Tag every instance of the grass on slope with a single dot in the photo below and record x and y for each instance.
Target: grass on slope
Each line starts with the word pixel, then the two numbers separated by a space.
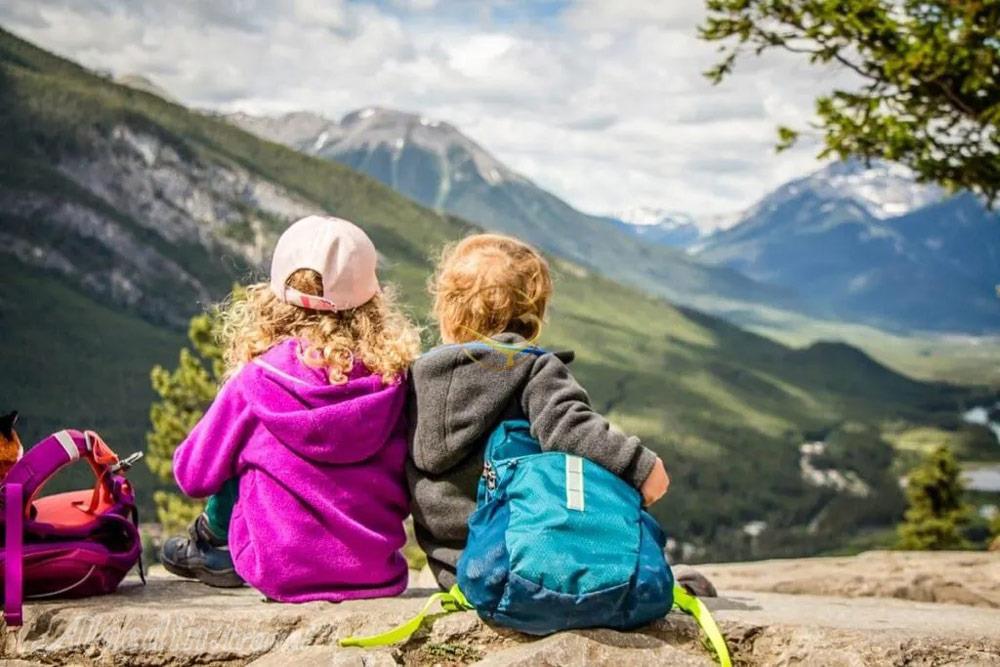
pixel 970 360
pixel 726 408
pixel 930 356
pixel 67 361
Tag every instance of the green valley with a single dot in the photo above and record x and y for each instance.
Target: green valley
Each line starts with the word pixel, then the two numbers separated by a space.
pixel 123 214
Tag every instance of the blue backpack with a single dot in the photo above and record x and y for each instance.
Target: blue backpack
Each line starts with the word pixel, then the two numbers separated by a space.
pixel 557 542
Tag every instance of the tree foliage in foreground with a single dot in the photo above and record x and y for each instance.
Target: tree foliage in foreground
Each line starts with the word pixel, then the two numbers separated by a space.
pixel 928 71
pixel 936 511
pixel 185 393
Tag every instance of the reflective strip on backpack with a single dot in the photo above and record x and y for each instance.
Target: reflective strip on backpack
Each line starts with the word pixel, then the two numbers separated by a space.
pixel 574 483
pixel 67 442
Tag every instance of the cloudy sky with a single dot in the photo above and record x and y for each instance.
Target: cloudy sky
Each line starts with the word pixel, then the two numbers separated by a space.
pixel 601 102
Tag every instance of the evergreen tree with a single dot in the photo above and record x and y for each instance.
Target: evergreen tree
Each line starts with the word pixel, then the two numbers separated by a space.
pixel 185 393
pixel 927 73
pixel 936 511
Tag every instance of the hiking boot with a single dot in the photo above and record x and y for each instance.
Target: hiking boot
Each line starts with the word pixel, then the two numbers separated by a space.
pixel 200 555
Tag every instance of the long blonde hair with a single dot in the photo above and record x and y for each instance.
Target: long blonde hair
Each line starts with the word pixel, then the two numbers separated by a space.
pixel 377 333
pixel 488 284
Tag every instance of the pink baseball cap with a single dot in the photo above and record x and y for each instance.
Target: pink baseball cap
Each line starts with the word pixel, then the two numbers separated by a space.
pixel 337 250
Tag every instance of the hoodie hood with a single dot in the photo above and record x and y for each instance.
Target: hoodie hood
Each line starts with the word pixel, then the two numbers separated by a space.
pixel 323 422
pixel 461 393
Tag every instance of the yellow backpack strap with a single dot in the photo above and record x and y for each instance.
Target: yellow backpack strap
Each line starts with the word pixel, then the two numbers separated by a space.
pixel 453 600
pixel 690 604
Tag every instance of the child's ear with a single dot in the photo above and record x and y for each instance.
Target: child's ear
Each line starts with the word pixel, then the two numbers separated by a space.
pixel 7 423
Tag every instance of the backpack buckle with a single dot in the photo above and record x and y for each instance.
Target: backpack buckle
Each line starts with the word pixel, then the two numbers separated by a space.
pixel 127 462
pixel 490 475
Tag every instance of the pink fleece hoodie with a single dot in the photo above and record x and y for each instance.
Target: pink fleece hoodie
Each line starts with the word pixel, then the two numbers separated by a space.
pixel 322 492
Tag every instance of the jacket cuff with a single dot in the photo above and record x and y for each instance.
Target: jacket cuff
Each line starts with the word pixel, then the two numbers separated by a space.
pixel 640 467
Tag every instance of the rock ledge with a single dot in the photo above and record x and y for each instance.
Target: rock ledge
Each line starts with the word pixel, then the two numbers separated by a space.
pixel 172 622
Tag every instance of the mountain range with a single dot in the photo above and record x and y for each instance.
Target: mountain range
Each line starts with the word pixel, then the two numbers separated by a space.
pixel 436 165
pixel 123 214
pixel 870 244
pixel 854 242
pixel 673 228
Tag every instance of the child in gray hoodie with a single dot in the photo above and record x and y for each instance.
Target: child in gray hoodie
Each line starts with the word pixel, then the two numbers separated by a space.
pixel 490 294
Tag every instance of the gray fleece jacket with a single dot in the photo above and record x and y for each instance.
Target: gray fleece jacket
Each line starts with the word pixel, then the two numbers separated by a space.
pixel 458 396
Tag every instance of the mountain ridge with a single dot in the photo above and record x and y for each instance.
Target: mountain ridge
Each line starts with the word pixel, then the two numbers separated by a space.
pixel 902 256
pixel 436 165
pixel 656 225
pixel 665 252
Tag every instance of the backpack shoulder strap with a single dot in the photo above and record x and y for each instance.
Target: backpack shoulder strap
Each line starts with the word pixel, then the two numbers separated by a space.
pixel 690 604
pixel 453 600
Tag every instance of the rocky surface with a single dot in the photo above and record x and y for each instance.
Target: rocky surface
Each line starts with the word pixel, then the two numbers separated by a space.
pixel 144 214
pixel 172 622
pixel 958 577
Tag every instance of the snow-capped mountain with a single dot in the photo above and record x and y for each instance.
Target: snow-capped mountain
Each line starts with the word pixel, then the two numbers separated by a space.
pixel 434 163
pixel 648 216
pixel 370 130
pixel 424 158
pixel 848 241
pixel 656 225
pixel 673 228
pixel 884 189
pixel 872 244
pixel 300 129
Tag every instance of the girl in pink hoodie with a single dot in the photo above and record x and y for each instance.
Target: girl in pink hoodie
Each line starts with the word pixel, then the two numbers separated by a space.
pixel 305 444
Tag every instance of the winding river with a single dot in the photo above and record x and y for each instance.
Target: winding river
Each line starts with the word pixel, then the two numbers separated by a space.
pixel 983 477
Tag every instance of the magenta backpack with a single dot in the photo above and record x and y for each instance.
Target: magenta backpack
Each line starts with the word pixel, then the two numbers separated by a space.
pixel 70 544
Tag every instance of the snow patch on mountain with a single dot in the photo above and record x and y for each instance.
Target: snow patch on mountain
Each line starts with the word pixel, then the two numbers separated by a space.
pixel 321 140
pixel 667 219
pixel 646 215
pixel 375 126
pixel 883 189
pixel 674 228
pixel 661 226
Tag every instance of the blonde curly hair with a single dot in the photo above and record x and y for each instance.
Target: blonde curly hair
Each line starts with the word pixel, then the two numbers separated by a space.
pixel 488 284
pixel 377 333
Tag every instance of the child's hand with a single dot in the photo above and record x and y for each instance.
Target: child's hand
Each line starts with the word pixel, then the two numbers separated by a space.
pixel 656 484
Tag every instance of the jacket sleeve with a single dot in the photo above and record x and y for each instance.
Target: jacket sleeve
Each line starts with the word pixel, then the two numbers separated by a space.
pixel 208 456
pixel 562 420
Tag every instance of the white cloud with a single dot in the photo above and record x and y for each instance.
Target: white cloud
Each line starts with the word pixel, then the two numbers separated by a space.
pixel 604 102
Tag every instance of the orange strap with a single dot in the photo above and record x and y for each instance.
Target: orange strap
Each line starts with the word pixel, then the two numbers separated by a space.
pixel 99 449
pixel 101 456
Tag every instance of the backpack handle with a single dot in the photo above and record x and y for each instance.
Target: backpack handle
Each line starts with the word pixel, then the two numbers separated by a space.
pixel 46 458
